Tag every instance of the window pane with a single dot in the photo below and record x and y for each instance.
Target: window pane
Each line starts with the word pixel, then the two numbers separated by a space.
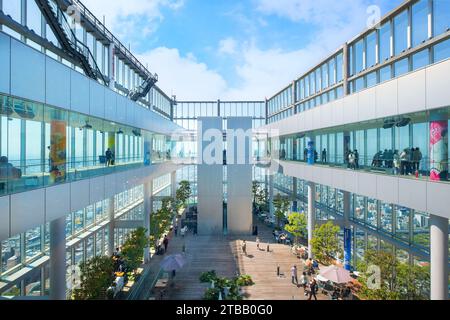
pixel 401 32
pixel 420 59
pixel 401 67
pixel 33 17
pixel 419 22
pixel 385 42
pixel 12 8
pixel 385 74
pixel 371 41
pixel 371 79
pixel 339 67
pixel 441 12
pixel 33 243
pixel 359 63
pixel 359 84
pixel 441 51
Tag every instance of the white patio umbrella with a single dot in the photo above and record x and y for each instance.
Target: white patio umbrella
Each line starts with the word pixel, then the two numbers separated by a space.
pixel 173 262
pixel 336 274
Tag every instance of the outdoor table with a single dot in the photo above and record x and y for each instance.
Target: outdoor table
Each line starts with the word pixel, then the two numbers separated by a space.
pixel 161 284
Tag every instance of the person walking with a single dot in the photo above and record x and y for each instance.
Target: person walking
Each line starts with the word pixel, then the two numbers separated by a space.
pixel 108 157
pixel 304 282
pixel 165 243
pixel 244 247
pixel 257 243
pixel 176 231
pixel 294 275
pixel 324 155
pixel 312 289
pixel 396 162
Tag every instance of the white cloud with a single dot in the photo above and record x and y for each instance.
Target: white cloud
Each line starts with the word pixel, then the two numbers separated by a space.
pixel 228 46
pixel 131 18
pixel 184 76
pixel 259 73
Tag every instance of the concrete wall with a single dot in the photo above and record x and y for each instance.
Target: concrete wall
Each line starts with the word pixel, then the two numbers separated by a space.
pixel 209 184
pixel 424 89
pixel 239 178
pixel 431 197
pixel 23 211
pixel 29 74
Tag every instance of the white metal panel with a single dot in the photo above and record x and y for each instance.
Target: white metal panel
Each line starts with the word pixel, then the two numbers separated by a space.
pixel 121 109
pixel 57 84
pixel 387 188
pixel 4 218
pixel 387 99
pixel 366 108
pixel 110 105
pixel 437 85
pixel 130 111
pixel 412 193
pixel 97 99
pixel 79 92
pixel 97 189
pixel 57 201
pixel 110 185
pixel 27 72
pixel 5 63
pixel 367 184
pixel 438 195
pixel 27 210
pixel 338 112
pixel 79 195
pixel 412 92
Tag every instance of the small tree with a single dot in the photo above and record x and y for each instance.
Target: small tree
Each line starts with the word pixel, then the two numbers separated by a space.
pixel 281 205
pixel 297 225
pixel 396 280
pixel 133 248
pixel 255 191
pixel 325 242
pixel 96 276
pixel 183 194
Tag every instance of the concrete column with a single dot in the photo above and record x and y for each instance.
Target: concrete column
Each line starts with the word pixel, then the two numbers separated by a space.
pixel 58 259
pixel 439 257
pixel 173 184
pixel 311 215
pixel 294 195
pixel 271 207
pixel 347 232
pixel 111 226
pixel 112 69
pixel 148 188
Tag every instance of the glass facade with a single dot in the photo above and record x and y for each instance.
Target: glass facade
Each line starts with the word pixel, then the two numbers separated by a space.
pixel 41 145
pixel 397 146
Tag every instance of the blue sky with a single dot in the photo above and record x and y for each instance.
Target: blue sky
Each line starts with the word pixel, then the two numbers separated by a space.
pixel 210 49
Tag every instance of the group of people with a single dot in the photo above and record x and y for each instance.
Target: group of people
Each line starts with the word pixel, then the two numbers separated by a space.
pixel 309 286
pixel 405 162
pixel 352 159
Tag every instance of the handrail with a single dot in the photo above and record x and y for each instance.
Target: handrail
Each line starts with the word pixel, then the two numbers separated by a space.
pixel 109 36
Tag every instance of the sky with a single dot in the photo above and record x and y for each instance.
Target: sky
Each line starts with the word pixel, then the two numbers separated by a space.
pixel 234 50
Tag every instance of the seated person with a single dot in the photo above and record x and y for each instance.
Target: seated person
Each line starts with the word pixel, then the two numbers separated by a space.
pixel 315 264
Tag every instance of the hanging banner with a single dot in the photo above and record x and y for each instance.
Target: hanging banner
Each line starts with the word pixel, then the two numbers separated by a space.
pixel 438 150
pixel 57 156
pixel 347 248
pixel 311 156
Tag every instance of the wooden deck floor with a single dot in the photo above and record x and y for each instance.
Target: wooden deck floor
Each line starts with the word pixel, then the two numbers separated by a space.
pixel 224 255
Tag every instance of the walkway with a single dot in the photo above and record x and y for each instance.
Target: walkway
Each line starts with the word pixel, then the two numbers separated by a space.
pixel 224 255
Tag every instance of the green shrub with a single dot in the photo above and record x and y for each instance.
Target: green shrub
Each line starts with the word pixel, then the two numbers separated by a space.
pixel 208 276
pixel 211 294
pixel 244 280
